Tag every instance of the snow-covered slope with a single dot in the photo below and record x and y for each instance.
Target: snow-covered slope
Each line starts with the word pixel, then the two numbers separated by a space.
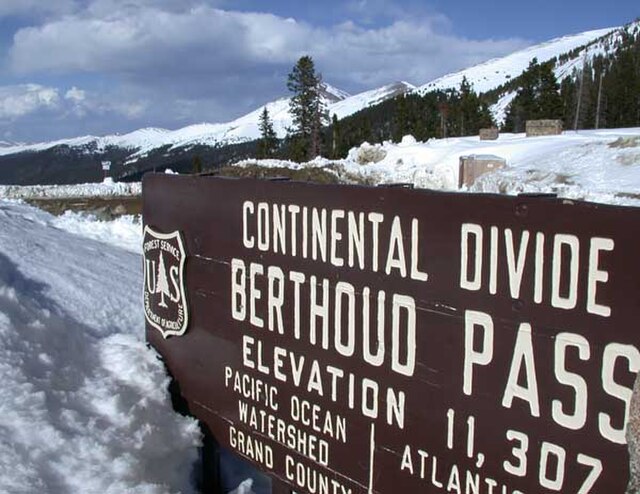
pixel 353 104
pixel 493 73
pixel 484 77
pixel 83 403
pixel 243 129
pixel 594 165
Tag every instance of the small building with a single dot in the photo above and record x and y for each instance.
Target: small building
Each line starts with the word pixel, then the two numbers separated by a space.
pixel 489 134
pixel 543 128
pixel 475 165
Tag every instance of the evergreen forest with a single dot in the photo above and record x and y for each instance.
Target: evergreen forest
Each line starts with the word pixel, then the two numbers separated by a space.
pixel 603 92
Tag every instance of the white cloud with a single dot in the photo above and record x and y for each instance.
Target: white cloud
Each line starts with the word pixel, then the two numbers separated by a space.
pixel 175 62
pixel 147 41
pixel 28 101
pixel 144 41
pixel 24 99
pixel 82 103
pixel 33 112
pixel 76 95
pixel 128 109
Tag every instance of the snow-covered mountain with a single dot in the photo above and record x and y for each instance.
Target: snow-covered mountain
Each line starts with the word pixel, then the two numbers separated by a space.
pixel 353 104
pixel 158 148
pixel 243 129
pixel 570 53
pixel 493 73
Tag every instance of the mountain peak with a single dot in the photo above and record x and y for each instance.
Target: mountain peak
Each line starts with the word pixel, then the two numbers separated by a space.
pixel 400 86
pixel 332 94
pixel 141 142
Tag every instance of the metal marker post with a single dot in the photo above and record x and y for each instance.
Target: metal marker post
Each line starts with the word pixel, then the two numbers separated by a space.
pixel 106 166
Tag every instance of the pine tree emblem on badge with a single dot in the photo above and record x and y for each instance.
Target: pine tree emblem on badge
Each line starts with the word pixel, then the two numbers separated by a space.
pixel 165 301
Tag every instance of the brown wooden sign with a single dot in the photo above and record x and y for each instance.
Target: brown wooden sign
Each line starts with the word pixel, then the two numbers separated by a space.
pixel 372 340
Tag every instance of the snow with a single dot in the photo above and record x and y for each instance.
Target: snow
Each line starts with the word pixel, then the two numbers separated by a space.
pixel 499 109
pixel 407 140
pixel 600 46
pixel 83 405
pixel 354 104
pixel 104 189
pixel 7 143
pixel 245 128
pixel 333 93
pixel 496 72
pixel 563 69
pixel 124 232
pixel 245 487
pixel 484 77
pixel 576 165
pixel 580 165
pixel 493 73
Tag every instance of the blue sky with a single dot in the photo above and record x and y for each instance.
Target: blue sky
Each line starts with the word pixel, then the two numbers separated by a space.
pixel 77 67
pixel 536 21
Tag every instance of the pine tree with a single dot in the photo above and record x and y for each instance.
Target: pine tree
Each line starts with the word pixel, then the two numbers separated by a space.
pixel 485 117
pixel 306 105
pixel 468 107
pixel 335 137
pixel 443 110
pixel 568 92
pixel 599 99
pixel 366 131
pixel 548 100
pixel 473 113
pixel 576 120
pixel 162 286
pixel 538 97
pixel 623 88
pixel 268 137
pixel 316 136
pixel 523 104
pixel 400 120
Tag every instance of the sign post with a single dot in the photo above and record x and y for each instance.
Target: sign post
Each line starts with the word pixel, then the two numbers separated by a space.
pixel 106 166
pixel 368 340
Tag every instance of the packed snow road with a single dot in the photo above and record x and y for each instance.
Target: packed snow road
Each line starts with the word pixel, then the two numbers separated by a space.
pixel 83 402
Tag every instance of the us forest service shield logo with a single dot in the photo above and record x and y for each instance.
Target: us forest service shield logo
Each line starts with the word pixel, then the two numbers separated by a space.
pixel 165 301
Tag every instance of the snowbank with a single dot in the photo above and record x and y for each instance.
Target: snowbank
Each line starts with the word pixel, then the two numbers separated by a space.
pixel 103 189
pixel 578 165
pixel 83 402
pixel 124 232
pixel 594 165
